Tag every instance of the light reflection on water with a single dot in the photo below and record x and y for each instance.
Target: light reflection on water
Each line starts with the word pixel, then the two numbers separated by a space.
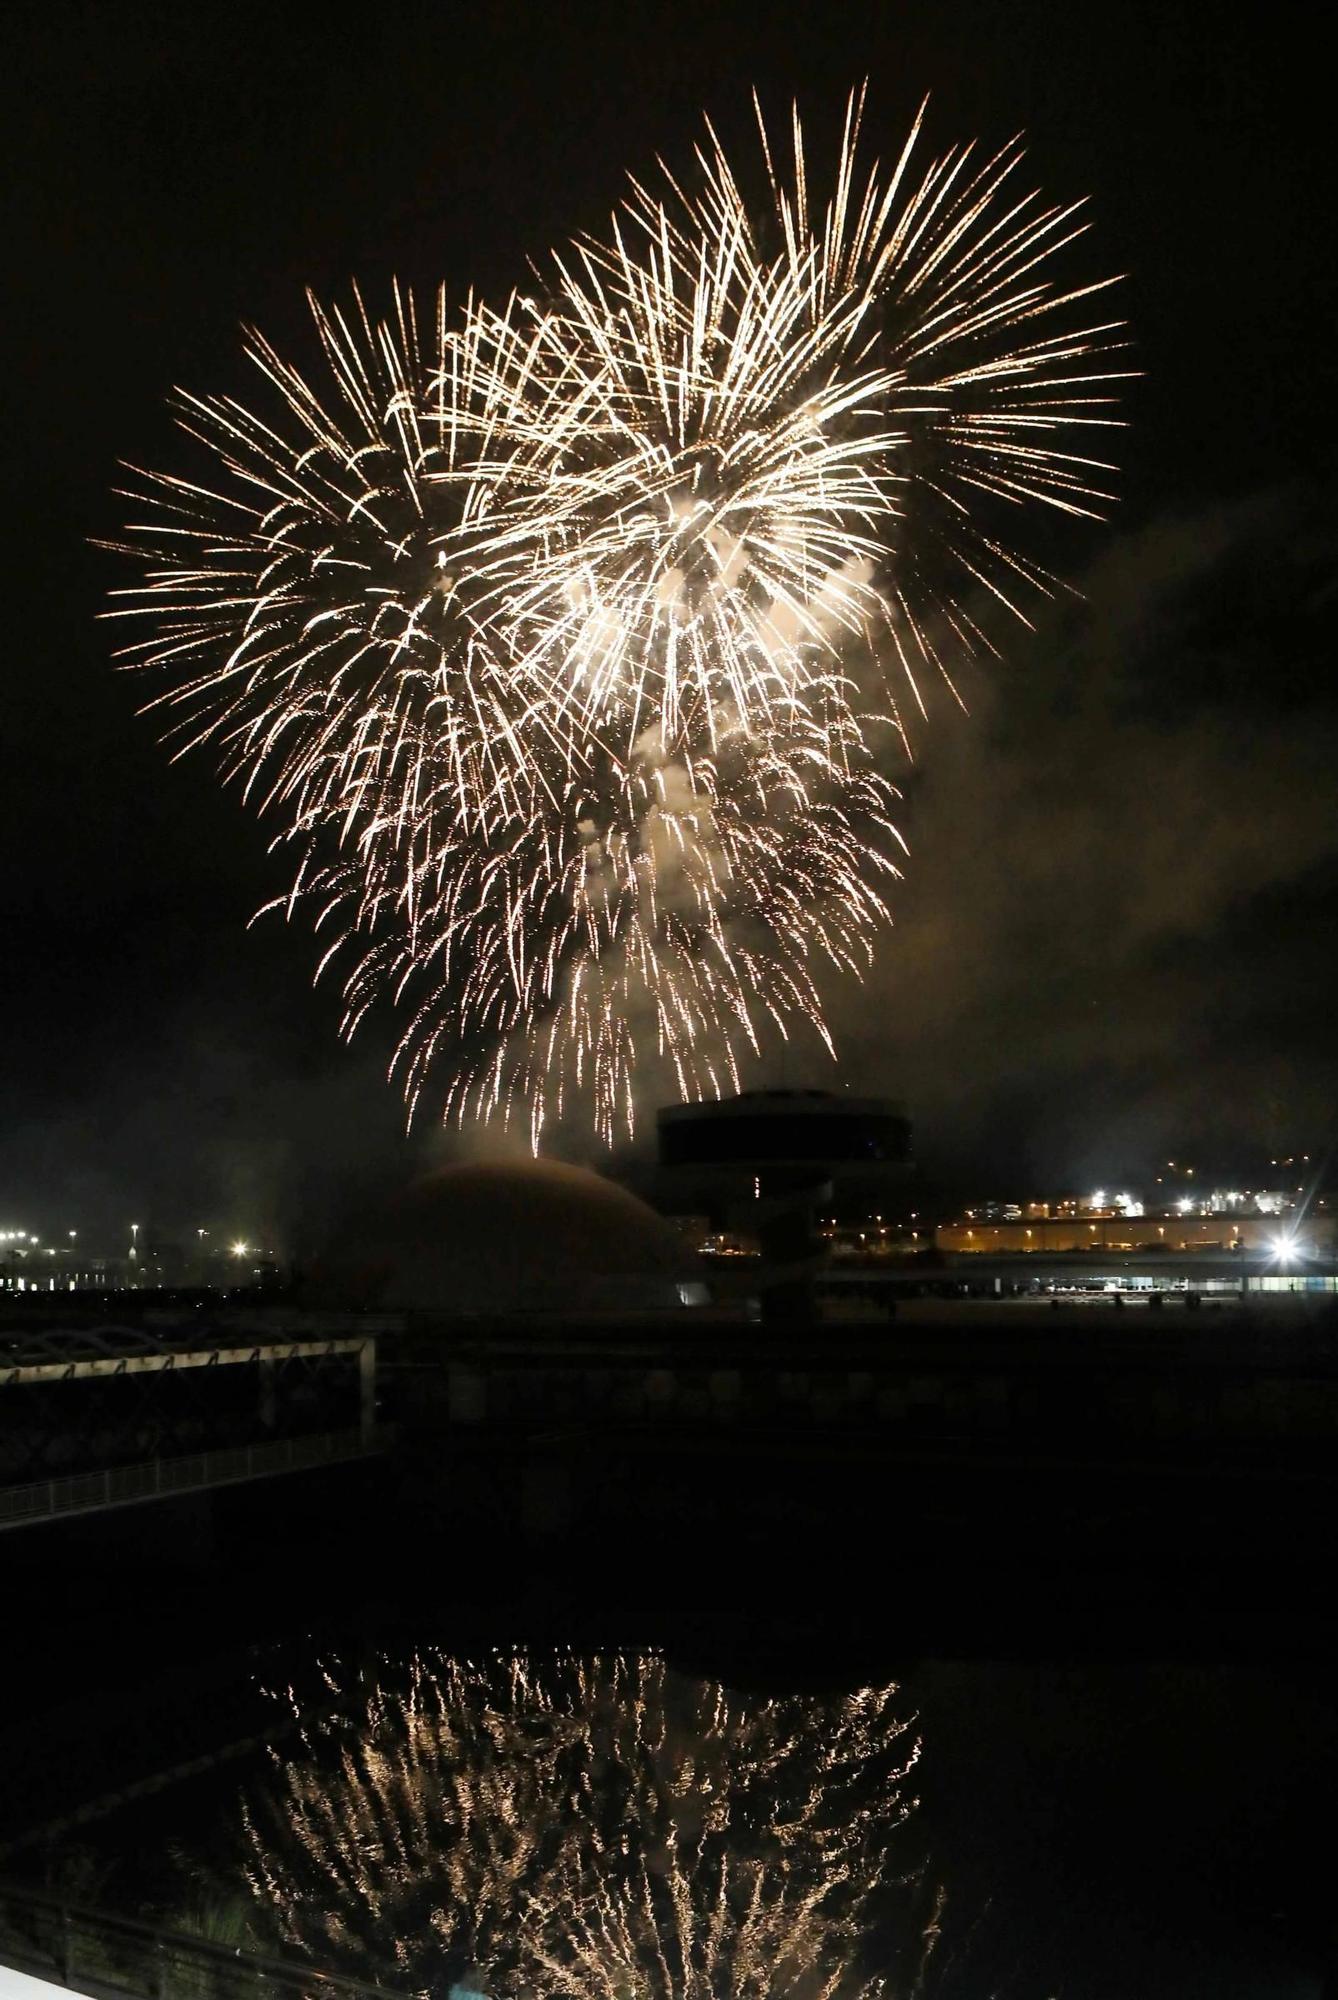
pixel 525 1825
pixel 617 1826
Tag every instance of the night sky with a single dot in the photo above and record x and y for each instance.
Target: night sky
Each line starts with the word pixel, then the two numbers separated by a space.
pixel 1114 938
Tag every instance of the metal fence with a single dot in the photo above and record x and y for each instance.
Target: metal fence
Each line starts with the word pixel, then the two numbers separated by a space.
pixel 125 1485
pixel 91 1951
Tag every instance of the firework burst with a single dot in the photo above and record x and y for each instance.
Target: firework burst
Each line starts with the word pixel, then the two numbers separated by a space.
pixel 565 642
pixel 586 1827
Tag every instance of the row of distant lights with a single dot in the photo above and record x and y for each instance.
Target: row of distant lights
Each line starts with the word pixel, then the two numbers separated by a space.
pixel 30 1237
pixel 1291 1160
pixel 1285 1248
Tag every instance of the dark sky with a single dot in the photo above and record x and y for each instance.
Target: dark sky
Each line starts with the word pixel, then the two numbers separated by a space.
pixel 1115 932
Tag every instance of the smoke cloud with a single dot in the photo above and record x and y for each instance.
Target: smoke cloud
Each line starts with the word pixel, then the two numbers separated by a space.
pixel 1124 861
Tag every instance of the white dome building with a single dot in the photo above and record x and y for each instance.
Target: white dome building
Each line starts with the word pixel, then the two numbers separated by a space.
pixel 493 1240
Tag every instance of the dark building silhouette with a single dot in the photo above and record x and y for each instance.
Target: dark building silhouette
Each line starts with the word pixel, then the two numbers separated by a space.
pixel 767 1162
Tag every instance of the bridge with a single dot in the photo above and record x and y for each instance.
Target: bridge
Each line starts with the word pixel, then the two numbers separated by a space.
pixel 100 1412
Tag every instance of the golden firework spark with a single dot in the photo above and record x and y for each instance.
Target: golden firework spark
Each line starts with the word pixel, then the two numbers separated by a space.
pixel 586 1827
pixel 564 641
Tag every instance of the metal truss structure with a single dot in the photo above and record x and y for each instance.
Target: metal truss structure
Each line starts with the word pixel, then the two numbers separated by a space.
pixel 84 1393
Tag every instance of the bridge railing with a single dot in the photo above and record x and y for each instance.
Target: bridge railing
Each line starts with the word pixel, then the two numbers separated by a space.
pixel 124 1485
pixel 95 1952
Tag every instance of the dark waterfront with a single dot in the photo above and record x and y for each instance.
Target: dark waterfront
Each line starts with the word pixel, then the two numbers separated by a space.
pixel 1113 1689
pixel 668 1224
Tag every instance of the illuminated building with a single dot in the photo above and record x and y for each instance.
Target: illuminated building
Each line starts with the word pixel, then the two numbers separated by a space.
pixel 1310 1238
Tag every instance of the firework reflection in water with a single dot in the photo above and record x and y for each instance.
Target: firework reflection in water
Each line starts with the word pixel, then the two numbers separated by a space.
pixel 591 1827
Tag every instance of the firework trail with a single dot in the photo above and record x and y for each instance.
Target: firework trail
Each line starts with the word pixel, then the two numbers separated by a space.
pixel 565 642
pixel 586 1827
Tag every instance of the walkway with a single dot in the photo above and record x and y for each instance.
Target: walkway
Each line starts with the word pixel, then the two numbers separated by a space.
pixel 161 1478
